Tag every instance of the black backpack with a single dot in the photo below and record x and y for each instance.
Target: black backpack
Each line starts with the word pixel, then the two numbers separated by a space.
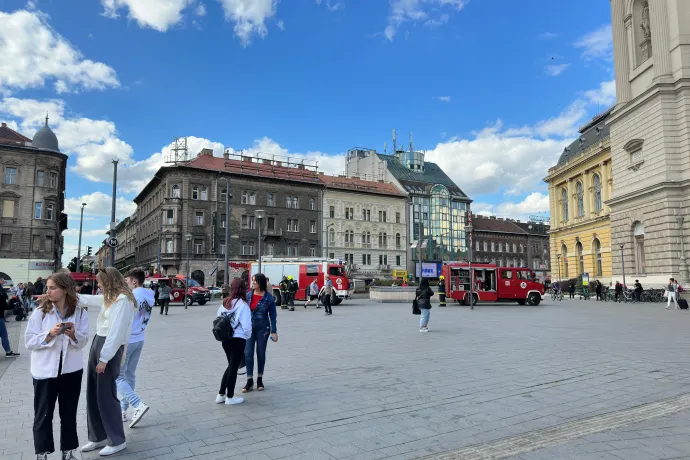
pixel 222 327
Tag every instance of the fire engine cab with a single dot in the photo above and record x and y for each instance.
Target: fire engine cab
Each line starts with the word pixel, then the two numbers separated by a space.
pixel 491 283
pixel 304 271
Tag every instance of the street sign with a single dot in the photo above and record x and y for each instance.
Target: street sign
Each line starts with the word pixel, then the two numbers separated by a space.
pixel 111 242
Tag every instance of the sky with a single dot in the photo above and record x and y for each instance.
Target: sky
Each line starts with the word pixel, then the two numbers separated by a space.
pixel 492 90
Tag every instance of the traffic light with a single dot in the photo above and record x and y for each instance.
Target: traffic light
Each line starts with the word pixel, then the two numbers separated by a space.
pixel 88 250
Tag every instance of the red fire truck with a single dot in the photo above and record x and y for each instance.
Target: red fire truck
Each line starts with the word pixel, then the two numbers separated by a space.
pixel 304 271
pixel 492 284
pixel 195 292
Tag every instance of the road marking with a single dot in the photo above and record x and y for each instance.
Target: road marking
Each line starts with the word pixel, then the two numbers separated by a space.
pixel 560 434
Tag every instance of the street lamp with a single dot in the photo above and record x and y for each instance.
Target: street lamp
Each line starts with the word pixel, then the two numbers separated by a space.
pixel 558 257
pixel 683 266
pixel 228 195
pixel 259 214
pixel 468 229
pixel 328 239
pixel 188 237
pixel 81 221
pixel 622 262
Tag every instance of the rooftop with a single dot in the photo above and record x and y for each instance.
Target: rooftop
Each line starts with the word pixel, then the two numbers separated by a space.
pixel 360 185
pixel 496 224
pixel 10 136
pixel 431 175
pixel 590 134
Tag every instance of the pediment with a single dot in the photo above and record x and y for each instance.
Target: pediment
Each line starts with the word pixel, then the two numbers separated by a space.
pixel 12 162
pixel 633 145
pixel 9 194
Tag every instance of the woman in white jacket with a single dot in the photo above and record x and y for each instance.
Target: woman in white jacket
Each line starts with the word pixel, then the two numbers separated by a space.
pixel 56 333
pixel 113 327
pixel 235 306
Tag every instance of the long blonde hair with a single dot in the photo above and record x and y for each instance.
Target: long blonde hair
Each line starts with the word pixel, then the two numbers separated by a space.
pixel 65 282
pixel 113 284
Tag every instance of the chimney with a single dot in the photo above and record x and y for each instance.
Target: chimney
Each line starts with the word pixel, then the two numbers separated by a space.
pixel 226 154
pixel 4 125
pixel 206 152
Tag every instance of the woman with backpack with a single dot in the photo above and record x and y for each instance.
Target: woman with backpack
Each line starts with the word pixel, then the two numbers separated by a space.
pixel 263 307
pixel 56 333
pixel 236 309
pixel 423 296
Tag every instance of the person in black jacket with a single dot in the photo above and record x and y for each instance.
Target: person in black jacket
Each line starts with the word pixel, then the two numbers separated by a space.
pixel 3 329
pixel 423 295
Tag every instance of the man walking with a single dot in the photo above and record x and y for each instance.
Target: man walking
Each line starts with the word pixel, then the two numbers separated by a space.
pixel 126 381
pixel 312 294
pixel 325 294
pixel 3 328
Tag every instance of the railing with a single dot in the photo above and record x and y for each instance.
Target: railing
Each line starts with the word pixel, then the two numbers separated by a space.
pixel 274 232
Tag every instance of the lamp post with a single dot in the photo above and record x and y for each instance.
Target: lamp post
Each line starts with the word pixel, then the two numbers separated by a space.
pixel 558 258
pixel 468 229
pixel 259 214
pixel 81 221
pixel 228 195
pixel 683 265
pixel 530 265
pixel 188 237
pixel 328 239
pixel 622 262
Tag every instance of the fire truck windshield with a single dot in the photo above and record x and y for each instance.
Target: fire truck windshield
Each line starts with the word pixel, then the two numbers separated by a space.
pixel 335 270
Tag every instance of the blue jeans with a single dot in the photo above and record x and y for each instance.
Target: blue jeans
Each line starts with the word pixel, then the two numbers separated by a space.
pixel 4 337
pixel 424 320
pixel 258 340
pixel 127 379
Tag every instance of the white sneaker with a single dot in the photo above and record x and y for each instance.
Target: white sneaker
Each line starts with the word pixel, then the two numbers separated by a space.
pixel 111 450
pixel 139 412
pixel 234 400
pixel 424 330
pixel 92 446
pixel 125 417
pixel 220 399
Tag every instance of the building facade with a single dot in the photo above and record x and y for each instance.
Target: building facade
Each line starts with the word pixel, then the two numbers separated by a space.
pixel 510 243
pixel 365 225
pixel 650 140
pixel 438 208
pixel 32 197
pixel 579 186
pixel 182 214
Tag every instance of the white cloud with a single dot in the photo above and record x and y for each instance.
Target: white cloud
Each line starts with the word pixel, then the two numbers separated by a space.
pixel 556 69
pixel 534 203
pixel 200 10
pixel 37 54
pixel 605 95
pixel 597 44
pixel 249 17
pixel 159 15
pixel 331 5
pixel 444 98
pixel 404 11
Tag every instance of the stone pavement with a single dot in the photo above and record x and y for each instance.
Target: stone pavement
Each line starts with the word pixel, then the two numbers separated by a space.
pixel 572 380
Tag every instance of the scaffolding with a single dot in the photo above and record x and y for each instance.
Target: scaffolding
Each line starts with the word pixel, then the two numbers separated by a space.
pixel 179 151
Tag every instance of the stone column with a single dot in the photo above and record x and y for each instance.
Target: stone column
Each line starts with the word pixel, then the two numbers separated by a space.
pixel 572 211
pixel 620 52
pixel 586 194
pixel 605 195
pixel 660 39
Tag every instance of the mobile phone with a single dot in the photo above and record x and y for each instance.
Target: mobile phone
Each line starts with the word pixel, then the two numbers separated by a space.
pixel 63 326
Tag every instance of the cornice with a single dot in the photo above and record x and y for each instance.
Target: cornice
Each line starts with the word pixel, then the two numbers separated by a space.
pixel 588 155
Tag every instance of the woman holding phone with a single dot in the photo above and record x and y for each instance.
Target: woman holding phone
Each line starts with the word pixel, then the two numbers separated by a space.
pixel 57 332
pixel 113 328
pixel 263 307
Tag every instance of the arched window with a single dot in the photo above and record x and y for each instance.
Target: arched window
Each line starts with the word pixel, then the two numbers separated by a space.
pixel 385 240
pixel 204 193
pixel 597 193
pixel 638 235
pixel 596 247
pixel 580 258
pixel 380 239
pixel 580 199
pixel 564 205
pixel 175 191
pixel 295 203
pixel 398 242
pixel 331 235
pixel 564 252
pixel 312 204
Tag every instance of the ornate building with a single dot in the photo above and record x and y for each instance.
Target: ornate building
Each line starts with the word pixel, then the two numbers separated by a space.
pixel 650 139
pixel 364 224
pixel 32 200
pixel 579 185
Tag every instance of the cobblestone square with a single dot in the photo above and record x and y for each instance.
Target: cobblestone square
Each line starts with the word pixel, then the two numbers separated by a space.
pixel 571 380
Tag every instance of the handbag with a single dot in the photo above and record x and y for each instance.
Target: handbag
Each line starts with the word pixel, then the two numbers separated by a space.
pixel 415 307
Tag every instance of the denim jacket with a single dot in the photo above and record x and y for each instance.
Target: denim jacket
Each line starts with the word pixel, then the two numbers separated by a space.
pixel 265 310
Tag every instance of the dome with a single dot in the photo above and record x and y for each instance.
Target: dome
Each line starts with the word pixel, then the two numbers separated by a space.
pixel 45 138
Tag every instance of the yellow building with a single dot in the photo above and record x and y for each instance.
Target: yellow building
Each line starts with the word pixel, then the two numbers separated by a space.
pixel 579 186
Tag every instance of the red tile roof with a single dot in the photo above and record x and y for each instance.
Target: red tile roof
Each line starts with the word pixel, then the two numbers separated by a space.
pixel 10 136
pixel 359 185
pixel 255 168
pixel 494 224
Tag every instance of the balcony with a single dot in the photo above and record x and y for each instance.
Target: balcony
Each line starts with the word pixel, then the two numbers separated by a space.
pixel 384 267
pixel 276 232
pixel 366 245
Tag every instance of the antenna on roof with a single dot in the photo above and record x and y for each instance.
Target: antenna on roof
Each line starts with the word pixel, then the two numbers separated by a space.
pixel 395 149
pixel 411 147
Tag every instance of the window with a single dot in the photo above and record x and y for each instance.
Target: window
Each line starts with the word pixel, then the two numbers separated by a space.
pixel 312 205
pixel 204 193
pixel 349 238
pixel 366 214
pixel 349 213
pixel 271 224
pixel 251 223
pixel 382 216
pixel 169 216
pixel 331 255
pixel 292 225
pixel 580 199
pixel 397 260
pixel 11 176
pixel 331 236
pixel 223 195
pixel 52 178
pixel 222 249
pixel 312 226
pixel 492 246
pixel 288 202
pixel 245 222
pixel 295 202
pixel 38 210
pixel 597 257
pixel 7 208
pixel 49 211
pixel 331 212
pixel 270 249
pixel 271 199
pixel 397 219
pixel 597 193
pixel 312 251
pixel 175 191
pixel 398 241
pixel 292 250
pixel 638 235
pixel 223 218
pixel 169 245
pixel 500 247
pixel 486 246
pixel 564 205
pixel 252 198
pixel 197 246
pixel 522 249
pixel 35 243
pixel 40 178
pixel 580 258
pixel 199 218
pixel 244 250
pixel 349 259
pixel 245 197
pixel 366 240
pixel 477 246
pixel 514 247
pixel 507 274
pixel 6 241
pixel 252 249
pixel 383 259
pixel 366 259
pixel 195 192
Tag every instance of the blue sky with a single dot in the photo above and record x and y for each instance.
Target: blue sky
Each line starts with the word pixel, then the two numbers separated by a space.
pixel 492 89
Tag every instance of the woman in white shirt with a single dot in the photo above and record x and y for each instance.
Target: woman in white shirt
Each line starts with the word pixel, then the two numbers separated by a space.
pixel 236 307
pixel 56 333
pixel 113 327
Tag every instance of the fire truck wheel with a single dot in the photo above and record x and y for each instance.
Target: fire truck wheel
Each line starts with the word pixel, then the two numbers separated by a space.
pixel 465 301
pixel 276 294
pixel 533 299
